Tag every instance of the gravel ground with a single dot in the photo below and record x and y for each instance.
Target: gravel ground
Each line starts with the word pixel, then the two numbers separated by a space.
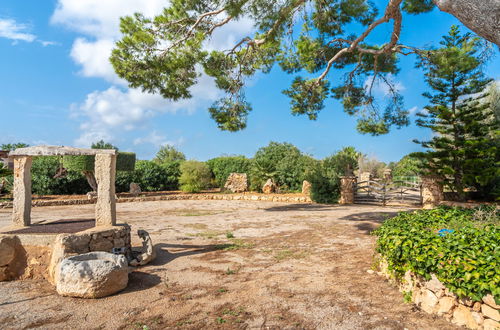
pixel 289 266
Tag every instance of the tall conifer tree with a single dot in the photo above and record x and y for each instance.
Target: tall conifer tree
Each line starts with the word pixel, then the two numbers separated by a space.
pixel 461 151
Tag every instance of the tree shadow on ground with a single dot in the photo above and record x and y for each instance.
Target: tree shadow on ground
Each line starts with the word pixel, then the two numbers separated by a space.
pixel 302 207
pixel 375 216
pixel 138 281
pixel 367 222
pixel 163 256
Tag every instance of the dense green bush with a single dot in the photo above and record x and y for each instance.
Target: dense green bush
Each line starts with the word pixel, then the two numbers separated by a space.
pixel 465 260
pixel 282 162
pixel 44 183
pixel 325 182
pixel 221 167
pixel 125 161
pixel 195 176
pixel 150 176
pixel 325 177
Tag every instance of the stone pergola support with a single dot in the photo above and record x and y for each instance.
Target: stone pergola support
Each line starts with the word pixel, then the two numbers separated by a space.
pixel 21 215
pixel 432 191
pixel 347 186
pixel 105 174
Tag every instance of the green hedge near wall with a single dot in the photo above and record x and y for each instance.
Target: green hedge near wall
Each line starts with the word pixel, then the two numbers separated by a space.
pixel 460 246
pixel 125 161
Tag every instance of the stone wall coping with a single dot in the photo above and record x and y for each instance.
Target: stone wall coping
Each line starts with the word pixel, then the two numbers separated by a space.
pixel 58 151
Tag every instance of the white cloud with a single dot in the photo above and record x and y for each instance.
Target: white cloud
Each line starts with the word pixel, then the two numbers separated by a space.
pixel 106 113
pixel 10 29
pixel 157 140
pixel 93 57
pixel 381 87
pixel 413 110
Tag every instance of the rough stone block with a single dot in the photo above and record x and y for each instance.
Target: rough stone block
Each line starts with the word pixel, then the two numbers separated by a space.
pixel 429 301
pixel 21 211
pixel 445 305
pixel 101 245
pixel 7 250
pixel 237 182
pixel 490 301
pixel 490 324
pixel 92 275
pixel 490 312
pixel 463 316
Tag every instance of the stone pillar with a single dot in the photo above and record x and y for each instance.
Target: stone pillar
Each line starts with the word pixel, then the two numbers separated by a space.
pixel 364 176
pixel 347 184
pixel 432 191
pixel 105 174
pixel 21 214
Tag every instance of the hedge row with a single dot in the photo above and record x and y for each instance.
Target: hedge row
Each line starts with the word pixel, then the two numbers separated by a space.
pixel 125 161
pixel 460 246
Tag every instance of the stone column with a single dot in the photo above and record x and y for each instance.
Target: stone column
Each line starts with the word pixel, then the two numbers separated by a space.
pixel 105 174
pixel 432 191
pixel 347 184
pixel 21 214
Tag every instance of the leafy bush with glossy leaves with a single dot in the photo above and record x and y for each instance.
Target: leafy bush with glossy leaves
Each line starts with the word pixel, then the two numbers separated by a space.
pixel 466 260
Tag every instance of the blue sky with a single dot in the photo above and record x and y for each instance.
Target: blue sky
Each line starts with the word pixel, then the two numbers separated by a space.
pixel 58 88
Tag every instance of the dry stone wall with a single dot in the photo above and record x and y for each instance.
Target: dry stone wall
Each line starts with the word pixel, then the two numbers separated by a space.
pixel 282 198
pixel 434 298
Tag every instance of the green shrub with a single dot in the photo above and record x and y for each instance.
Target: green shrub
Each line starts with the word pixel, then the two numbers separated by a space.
pixel 150 176
pixel 44 183
pixel 282 162
pixel 79 163
pixel 325 184
pixel 125 161
pixel 465 260
pixel 195 176
pixel 221 167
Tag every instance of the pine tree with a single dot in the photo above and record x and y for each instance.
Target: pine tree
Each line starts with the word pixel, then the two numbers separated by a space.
pixel 461 152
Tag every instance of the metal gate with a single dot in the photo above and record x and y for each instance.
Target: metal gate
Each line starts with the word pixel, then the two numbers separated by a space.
pixel 395 192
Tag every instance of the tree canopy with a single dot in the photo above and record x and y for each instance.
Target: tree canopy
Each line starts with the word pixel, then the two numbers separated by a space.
pixel 168 153
pixel 310 39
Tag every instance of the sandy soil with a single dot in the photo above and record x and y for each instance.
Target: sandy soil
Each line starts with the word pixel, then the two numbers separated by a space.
pixel 287 267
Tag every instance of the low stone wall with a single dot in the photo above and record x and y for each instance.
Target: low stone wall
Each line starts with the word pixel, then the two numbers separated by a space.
pixel 236 197
pixel 95 239
pixel 22 258
pixel 19 261
pixel 434 298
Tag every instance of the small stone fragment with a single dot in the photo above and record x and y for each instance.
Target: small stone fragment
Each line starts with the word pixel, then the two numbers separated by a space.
pixel 490 312
pixel 463 316
pixel 490 324
pixel 489 300
pixel 445 305
pixel 428 301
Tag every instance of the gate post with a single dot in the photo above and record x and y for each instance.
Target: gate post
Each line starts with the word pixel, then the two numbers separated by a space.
pixel 347 189
pixel 432 191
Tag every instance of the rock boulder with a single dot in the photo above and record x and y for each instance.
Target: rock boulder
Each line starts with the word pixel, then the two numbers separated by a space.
pixel 92 275
pixel 237 182
pixel 269 187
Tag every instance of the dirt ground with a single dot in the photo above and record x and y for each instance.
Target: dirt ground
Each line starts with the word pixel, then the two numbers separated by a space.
pixel 289 266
